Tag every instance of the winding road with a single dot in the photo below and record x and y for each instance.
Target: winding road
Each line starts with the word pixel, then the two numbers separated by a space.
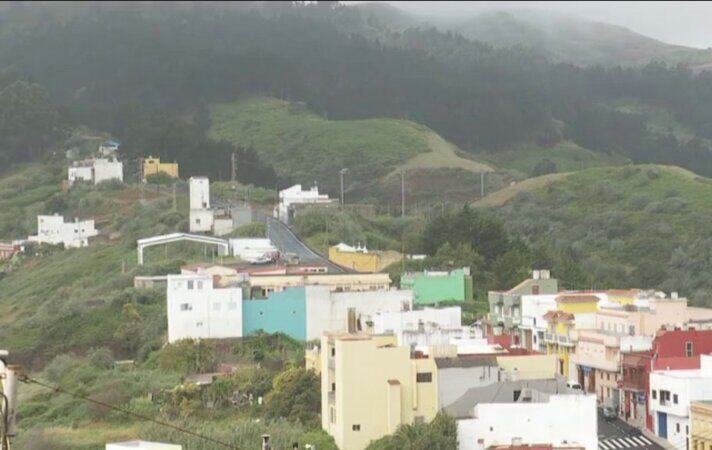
pixel 287 242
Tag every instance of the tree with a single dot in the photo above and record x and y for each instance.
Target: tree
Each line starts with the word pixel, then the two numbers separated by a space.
pixel 188 356
pixel 130 328
pixel 544 167
pixel 29 122
pixel 439 434
pixel 295 395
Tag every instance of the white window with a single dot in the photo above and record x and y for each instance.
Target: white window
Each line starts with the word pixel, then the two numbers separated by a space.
pixel 216 306
pixel 186 307
pixel 190 284
pixel 200 285
pixel 199 324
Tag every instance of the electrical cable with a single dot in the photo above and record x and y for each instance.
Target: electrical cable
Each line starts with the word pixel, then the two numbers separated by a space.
pixel 57 389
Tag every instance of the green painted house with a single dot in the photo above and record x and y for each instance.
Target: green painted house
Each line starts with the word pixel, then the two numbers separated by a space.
pixel 432 287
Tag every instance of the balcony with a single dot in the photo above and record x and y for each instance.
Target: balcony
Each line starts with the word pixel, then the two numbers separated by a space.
pixel 549 337
pixel 565 340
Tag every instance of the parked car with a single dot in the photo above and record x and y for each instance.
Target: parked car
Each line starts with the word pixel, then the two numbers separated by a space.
pixel 609 413
pixel 574 385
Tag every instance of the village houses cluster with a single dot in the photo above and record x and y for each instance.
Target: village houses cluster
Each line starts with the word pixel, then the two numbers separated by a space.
pixel 543 358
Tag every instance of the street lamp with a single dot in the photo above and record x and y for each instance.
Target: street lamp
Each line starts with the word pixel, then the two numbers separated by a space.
pixel 341 177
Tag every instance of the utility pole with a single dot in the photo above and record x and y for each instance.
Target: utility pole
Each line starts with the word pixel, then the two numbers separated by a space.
pixel 8 405
pixel 482 184
pixel 175 202
pixel 402 192
pixel 233 161
pixel 341 177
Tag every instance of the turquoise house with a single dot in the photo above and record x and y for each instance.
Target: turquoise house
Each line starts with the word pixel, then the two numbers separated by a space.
pixel 431 288
pixel 281 312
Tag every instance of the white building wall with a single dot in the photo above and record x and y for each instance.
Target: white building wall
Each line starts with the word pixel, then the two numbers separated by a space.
pixel 295 195
pixel 199 192
pixel 251 249
pixel 54 230
pixel 196 309
pixel 201 220
pixel 105 169
pixel 564 420
pixel 79 173
pixel 328 311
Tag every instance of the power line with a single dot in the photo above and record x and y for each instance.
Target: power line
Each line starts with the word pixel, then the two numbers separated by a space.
pixel 57 389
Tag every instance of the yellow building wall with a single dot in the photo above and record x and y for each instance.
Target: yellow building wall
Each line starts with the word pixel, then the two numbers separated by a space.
pixel 575 308
pixel 376 390
pixel 701 421
pixel 152 166
pixel 360 262
pixel 622 300
pixel 530 367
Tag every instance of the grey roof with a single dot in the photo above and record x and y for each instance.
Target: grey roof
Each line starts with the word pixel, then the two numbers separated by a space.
pixel 502 392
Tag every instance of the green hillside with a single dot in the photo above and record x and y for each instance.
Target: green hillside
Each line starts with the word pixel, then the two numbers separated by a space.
pixel 305 147
pixel 631 226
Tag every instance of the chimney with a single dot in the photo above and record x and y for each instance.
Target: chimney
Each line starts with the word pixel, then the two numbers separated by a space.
pixel 674 295
pixel 352 320
pixel 545 274
pixel 536 274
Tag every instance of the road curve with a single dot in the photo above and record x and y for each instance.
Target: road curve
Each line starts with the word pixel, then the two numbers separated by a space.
pixel 288 242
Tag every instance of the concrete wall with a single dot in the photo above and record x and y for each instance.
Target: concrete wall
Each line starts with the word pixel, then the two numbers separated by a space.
pixel 529 367
pixel 283 312
pixel 152 166
pixel 358 261
pixel 195 309
pixel 199 192
pixel 564 420
pixel 201 220
pixel 328 311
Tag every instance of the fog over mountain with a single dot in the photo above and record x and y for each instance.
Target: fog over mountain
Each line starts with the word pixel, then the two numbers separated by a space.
pixel 681 23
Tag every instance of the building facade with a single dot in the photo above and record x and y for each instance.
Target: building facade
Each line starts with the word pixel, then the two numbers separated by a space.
pixel 701 422
pixel 154 166
pixel 432 287
pixel 671 395
pixel 54 230
pixel 198 309
pixel 94 171
pixel 370 386
pixel 531 417
pixel 293 196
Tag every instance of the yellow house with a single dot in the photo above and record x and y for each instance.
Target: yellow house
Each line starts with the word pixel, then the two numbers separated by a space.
pixel 701 421
pixel 360 259
pixel 560 336
pixel 622 296
pixel 370 386
pixel 152 166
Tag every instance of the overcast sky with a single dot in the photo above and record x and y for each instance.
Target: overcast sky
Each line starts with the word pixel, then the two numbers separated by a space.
pixel 684 23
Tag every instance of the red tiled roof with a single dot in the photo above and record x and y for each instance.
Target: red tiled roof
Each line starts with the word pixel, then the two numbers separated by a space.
pixel 558 316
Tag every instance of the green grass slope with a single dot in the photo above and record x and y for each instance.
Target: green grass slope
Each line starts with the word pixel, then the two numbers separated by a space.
pixel 632 226
pixel 305 147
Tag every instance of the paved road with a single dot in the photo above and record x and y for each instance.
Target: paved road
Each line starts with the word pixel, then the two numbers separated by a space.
pixel 287 242
pixel 616 435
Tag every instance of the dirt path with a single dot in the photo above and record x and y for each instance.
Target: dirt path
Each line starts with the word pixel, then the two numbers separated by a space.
pixel 502 196
pixel 442 155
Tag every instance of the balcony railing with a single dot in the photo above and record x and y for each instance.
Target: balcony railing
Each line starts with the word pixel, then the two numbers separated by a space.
pixel 549 337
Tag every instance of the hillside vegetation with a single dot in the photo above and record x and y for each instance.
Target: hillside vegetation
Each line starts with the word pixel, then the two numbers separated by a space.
pixel 305 147
pixel 631 226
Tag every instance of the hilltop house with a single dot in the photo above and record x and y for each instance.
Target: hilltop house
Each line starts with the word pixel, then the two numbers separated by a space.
pixel 293 197
pixel 95 170
pixel 54 230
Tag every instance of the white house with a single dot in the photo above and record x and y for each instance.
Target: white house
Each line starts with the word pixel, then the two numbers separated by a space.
pixel 196 308
pixel 534 418
pixel 253 249
pixel 54 230
pixel 201 217
pixel 533 326
pixel 142 445
pixel 397 322
pixel 294 196
pixel 95 171
pixel 670 396
pixel 108 148
pixel 329 311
